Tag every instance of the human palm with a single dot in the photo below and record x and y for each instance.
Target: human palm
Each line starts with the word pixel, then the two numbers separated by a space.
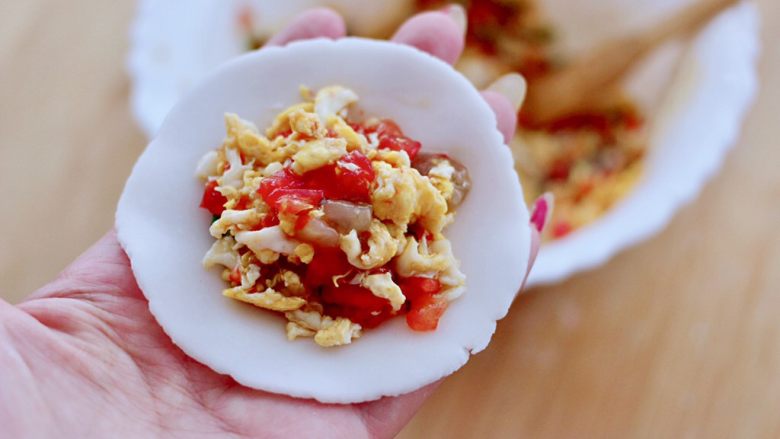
pixel 83 357
pixel 89 360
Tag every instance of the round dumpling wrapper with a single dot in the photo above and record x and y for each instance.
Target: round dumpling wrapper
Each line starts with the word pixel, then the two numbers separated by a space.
pixel 165 233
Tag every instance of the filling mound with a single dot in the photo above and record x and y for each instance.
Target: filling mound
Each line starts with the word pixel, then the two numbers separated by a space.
pixel 333 220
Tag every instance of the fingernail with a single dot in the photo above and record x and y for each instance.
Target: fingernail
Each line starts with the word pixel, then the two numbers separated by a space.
pixel 542 210
pixel 513 87
pixel 458 15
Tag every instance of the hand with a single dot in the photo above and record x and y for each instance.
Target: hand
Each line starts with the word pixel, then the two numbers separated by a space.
pixel 83 357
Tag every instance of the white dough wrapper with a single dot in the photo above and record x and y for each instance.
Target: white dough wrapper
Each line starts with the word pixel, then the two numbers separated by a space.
pixel 166 235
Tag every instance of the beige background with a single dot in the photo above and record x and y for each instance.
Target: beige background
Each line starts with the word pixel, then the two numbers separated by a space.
pixel 678 337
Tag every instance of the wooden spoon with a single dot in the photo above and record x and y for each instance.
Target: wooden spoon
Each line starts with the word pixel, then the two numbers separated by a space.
pixel 576 86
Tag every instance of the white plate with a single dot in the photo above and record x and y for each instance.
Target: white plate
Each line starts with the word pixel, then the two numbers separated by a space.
pixel 697 94
pixel 697 111
pixel 166 235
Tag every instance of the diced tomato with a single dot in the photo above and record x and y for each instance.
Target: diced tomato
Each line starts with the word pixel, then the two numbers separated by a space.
pixel 327 262
pixel 401 143
pixel 355 173
pixel 371 320
pixel 300 222
pixel 366 318
pixel 386 128
pixel 425 313
pixel 213 201
pixel 235 277
pixel 349 179
pixel 243 203
pixel 269 220
pixel 418 288
pixel 294 201
pixel 391 137
pixel 353 296
pixel 284 133
pixel 284 179
pixel 357 304
pixel 420 233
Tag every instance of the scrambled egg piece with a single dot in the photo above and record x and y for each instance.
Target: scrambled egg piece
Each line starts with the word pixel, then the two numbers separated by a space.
pixel 268 299
pixel 291 281
pixel 451 276
pixel 398 159
pixel 307 124
pixel 246 138
pixel 282 121
pixel 327 332
pixel 341 332
pixel 250 275
pixel 441 178
pixel 234 220
pixel 295 330
pixel 417 259
pixel 208 165
pixel 269 238
pixel 304 252
pixel 355 140
pixel 318 153
pixel 221 253
pixel 331 101
pixel 381 247
pixel 233 177
pixel 403 196
pixel 382 285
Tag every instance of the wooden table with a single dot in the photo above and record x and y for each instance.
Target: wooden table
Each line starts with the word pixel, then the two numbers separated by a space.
pixel 677 337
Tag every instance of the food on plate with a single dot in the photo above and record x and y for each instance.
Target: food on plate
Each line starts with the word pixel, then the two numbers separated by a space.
pixel 589 160
pixel 333 220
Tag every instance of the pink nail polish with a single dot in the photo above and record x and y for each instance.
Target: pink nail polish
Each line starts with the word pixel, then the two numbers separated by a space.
pixel 542 210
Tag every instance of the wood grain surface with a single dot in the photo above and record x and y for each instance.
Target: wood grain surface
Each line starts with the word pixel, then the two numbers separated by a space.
pixel 677 337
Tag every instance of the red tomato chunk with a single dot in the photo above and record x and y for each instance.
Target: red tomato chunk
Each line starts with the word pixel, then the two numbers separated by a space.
pixel 415 288
pixel 348 180
pixel 284 179
pixel 391 137
pixel 353 296
pixel 327 262
pixel 213 201
pixel 425 310
pixel 425 313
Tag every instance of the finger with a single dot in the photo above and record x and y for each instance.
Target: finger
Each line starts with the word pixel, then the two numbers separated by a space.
pixel 387 416
pixel 440 33
pixel 505 96
pixel 540 217
pixel 505 116
pixel 313 23
pixel 103 267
